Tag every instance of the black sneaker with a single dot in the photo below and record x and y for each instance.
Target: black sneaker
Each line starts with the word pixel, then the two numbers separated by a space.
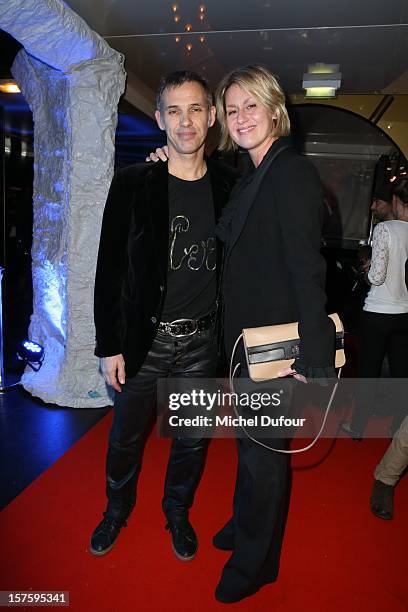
pixel 105 535
pixel 184 540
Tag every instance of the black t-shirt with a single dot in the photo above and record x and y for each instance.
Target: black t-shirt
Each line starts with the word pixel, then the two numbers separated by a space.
pixel 191 276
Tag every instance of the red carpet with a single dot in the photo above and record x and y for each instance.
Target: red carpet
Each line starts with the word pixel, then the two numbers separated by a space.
pixel 336 555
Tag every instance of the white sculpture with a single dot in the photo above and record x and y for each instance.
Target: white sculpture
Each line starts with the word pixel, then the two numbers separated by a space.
pixel 72 81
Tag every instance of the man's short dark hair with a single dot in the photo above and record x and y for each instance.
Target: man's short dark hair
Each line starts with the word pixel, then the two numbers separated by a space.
pixel 178 78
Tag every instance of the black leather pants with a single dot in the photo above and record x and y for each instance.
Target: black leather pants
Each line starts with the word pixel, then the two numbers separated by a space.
pixel 134 410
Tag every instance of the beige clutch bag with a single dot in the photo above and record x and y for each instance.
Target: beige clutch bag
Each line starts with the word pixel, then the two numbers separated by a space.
pixel 274 348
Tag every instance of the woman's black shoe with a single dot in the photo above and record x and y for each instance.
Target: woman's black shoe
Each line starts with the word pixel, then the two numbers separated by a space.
pixel 184 539
pixel 224 596
pixel 233 594
pixel 105 535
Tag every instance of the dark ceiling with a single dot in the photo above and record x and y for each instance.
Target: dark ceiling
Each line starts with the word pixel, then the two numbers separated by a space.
pixel 367 38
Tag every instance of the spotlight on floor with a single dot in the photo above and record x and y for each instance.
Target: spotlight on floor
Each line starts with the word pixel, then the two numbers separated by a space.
pixel 32 354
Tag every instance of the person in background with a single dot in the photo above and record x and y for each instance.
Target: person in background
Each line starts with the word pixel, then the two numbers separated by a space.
pixel 384 322
pixel 381 208
pixel 388 472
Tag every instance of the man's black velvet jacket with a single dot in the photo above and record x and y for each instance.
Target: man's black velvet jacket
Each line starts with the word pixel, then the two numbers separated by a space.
pixel 131 273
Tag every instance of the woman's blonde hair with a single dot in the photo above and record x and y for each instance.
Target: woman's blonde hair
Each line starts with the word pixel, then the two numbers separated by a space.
pixel 260 83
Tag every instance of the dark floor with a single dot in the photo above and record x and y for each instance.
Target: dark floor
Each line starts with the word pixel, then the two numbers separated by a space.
pixel 33 435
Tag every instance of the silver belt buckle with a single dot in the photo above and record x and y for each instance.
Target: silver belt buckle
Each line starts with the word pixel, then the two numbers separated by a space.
pixel 182 321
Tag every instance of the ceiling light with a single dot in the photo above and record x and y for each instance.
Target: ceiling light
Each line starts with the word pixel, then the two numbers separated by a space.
pixel 188 27
pixel 322 68
pixel 174 8
pixel 177 39
pixel 202 8
pixel 321 80
pixel 320 92
pixel 189 46
pixel 202 39
pixel 9 87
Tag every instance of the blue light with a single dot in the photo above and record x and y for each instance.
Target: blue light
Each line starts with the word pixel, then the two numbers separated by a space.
pixel 129 125
pixel 32 347
pixel 32 354
pixel 15 103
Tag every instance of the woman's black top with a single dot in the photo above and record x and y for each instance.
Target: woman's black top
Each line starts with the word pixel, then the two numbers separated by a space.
pixel 273 270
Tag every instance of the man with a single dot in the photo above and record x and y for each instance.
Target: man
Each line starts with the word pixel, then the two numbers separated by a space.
pixel 155 301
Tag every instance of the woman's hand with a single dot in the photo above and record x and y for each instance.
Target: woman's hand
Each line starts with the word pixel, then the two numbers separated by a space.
pixel 290 372
pixel 160 153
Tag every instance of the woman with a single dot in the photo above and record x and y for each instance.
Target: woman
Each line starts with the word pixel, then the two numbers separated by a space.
pixel 273 273
pixel 384 321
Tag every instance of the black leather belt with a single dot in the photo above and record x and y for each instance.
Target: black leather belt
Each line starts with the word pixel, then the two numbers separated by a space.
pixel 187 327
